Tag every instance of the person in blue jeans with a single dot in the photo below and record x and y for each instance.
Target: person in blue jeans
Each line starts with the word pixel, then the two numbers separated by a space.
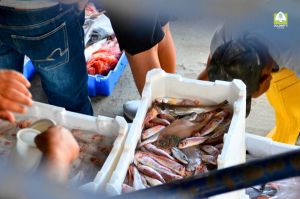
pixel 51 35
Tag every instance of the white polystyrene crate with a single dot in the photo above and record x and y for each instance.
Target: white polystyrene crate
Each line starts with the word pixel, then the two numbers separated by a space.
pixel 110 127
pixel 161 84
pixel 261 147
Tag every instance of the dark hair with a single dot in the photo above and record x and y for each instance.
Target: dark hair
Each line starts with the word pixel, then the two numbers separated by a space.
pixel 242 59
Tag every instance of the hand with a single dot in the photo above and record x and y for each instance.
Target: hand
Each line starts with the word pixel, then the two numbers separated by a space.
pixel 58 143
pixel 59 148
pixel 14 94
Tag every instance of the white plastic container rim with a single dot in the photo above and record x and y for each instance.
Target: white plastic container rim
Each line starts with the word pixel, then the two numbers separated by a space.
pixel 110 127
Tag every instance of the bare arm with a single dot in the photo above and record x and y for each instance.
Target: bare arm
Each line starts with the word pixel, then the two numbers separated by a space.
pixel 204 74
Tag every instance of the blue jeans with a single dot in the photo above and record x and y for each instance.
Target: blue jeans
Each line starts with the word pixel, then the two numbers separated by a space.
pixel 53 39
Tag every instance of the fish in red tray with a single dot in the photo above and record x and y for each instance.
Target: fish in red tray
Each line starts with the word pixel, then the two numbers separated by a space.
pixel 104 59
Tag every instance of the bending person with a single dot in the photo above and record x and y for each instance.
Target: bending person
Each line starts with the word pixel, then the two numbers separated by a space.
pixel 250 51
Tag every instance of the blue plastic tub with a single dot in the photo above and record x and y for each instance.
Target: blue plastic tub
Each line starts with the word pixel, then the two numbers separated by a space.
pixel 104 85
pixel 28 70
pixel 97 84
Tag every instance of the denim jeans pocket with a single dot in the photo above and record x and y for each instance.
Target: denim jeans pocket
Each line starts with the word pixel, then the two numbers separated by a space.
pixel 47 51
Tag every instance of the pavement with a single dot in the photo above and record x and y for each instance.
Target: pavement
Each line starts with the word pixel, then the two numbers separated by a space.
pixel 192 41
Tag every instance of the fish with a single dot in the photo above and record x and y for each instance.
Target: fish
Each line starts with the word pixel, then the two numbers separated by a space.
pixel 179 155
pixel 151 148
pixel 200 169
pixel 180 138
pixel 191 117
pixel 160 121
pixel 218 134
pixel 209 159
pixel 24 123
pixel 223 113
pixel 89 138
pixel 166 116
pixel 149 125
pixel 167 142
pixel 152 113
pixel 144 181
pixel 127 189
pixel 178 102
pixel 152 131
pixel 219 146
pixel 183 111
pixel 210 150
pixel 130 174
pixel 165 172
pixel 94 150
pixel 170 164
pixel 204 118
pixel 151 139
pixel 191 141
pixel 137 180
pixel 180 128
pixel 156 121
pixel 214 123
pixel 150 172
pixel 153 181
pixel 194 156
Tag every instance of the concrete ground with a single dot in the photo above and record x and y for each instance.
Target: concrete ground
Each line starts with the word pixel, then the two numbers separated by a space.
pixel 192 41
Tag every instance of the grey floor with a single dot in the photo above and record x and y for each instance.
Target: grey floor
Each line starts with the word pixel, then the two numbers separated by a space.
pixel 192 41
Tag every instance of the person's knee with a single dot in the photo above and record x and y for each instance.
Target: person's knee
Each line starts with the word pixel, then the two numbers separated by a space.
pixel 148 58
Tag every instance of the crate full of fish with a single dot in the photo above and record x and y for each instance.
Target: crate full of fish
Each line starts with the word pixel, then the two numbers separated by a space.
pixel 261 147
pixel 105 61
pixel 183 127
pixel 100 139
